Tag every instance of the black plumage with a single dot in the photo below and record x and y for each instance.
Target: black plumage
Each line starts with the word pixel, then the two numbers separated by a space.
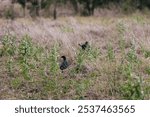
pixel 64 63
pixel 85 45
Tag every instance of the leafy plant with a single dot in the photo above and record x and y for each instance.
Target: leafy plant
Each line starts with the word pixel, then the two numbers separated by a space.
pixel 10 66
pixel 132 89
pixel 80 59
pixel 146 53
pixel 26 47
pixel 81 87
pixel 93 53
pixel 25 52
pixel 132 57
pixel 147 70
pixel 16 83
pixel 89 54
pixel 121 30
pixel 110 53
pixel 53 60
pixel 9 47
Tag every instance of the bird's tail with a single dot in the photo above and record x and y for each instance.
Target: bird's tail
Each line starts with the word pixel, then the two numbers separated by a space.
pixel 80 45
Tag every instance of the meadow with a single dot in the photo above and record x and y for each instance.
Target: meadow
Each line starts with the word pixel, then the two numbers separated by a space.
pixel 116 66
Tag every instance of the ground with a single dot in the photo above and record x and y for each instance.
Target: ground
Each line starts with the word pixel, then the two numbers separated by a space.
pixel 117 65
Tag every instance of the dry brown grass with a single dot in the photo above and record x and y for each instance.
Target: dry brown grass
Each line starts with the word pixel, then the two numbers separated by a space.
pixel 69 32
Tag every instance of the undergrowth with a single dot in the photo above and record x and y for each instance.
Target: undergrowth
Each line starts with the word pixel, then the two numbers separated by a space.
pixel 26 63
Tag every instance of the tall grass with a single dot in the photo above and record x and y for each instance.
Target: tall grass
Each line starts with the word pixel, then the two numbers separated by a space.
pixel 104 71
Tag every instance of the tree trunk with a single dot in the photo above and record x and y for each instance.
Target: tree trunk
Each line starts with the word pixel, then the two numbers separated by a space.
pixel 93 7
pixel 38 8
pixel 75 4
pixel 24 8
pixel 55 10
pixel 39 5
pixel 90 7
pixel 141 4
pixel 37 11
pixel 12 9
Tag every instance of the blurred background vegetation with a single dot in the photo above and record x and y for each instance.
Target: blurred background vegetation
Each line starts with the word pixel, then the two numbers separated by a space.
pixel 55 8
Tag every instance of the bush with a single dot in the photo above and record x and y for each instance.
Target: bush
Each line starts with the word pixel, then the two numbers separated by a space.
pixel 9 14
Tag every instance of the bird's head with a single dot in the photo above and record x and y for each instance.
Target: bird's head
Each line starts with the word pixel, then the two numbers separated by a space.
pixel 86 43
pixel 63 57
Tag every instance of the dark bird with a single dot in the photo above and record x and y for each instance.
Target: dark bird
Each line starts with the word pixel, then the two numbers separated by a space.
pixel 85 45
pixel 64 63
